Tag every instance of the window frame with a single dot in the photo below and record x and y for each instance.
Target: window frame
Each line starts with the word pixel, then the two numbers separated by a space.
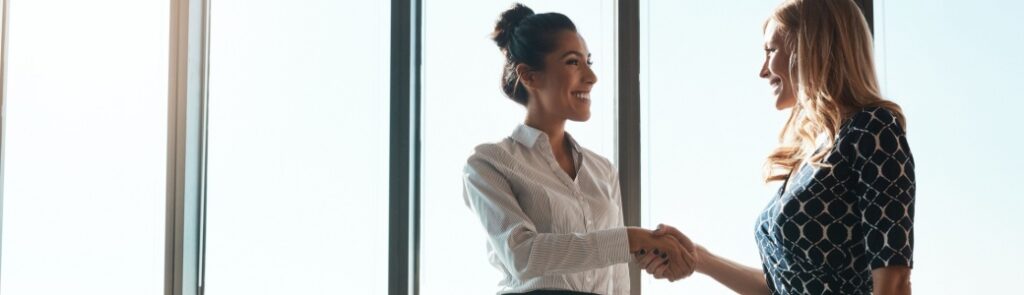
pixel 186 147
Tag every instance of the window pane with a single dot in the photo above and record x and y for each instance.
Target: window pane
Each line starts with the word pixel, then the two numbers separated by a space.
pixel 298 147
pixel 86 147
pixel 708 122
pixel 464 106
pixel 956 69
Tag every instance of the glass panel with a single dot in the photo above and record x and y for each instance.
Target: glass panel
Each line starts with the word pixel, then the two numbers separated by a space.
pixel 86 147
pixel 956 67
pixel 298 147
pixel 708 122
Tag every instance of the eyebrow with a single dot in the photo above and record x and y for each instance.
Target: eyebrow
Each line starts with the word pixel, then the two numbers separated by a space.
pixel 571 52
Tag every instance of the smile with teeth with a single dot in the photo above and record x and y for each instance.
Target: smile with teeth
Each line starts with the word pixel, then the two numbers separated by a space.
pixel 581 95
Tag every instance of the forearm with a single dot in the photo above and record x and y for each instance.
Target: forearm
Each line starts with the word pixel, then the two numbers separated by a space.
pixel 635 235
pixel 897 289
pixel 530 254
pixel 892 280
pixel 740 278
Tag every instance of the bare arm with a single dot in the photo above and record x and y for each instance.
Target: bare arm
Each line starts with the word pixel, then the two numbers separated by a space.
pixel 891 280
pixel 740 278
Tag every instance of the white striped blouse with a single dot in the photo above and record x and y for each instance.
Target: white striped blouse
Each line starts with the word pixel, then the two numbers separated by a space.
pixel 546 230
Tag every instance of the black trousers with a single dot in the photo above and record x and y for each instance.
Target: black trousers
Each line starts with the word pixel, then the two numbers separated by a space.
pixel 552 292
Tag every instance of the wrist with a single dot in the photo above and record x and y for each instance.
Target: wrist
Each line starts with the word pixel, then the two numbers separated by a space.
pixel 703 257
pixel 635 236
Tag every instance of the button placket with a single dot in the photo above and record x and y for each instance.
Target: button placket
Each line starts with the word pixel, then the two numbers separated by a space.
pixel 588 220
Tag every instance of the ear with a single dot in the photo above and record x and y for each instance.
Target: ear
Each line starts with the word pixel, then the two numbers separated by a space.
pixel 528 77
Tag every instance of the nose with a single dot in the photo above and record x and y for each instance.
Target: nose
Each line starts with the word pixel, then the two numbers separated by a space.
pixel 764 70
pixel 589 77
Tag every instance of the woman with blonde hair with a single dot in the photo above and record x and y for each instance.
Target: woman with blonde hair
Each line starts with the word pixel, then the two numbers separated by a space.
pixel 842 221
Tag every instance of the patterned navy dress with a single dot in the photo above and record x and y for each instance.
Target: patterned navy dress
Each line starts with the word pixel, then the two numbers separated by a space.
pixel 833 226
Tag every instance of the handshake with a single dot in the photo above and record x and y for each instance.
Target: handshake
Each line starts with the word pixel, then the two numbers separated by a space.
pixel 664 253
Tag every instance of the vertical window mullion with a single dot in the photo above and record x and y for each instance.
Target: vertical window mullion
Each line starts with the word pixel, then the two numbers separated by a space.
pixel 186 145
pixel 3 114
pixel 403 240
pixel 628 120
pixel 867 7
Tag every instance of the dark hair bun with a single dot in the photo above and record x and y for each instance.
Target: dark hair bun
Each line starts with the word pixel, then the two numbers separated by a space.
pixel 507 24
pixel 524 38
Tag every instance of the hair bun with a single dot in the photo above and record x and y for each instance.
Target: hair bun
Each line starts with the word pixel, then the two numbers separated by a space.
pixel 507 24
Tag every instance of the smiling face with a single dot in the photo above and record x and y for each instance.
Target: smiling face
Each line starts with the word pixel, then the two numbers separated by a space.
pixel 776 67
pixel 562 89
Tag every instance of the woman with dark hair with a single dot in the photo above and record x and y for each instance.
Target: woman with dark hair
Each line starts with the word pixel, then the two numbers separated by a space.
pixel 551 208
pixel 842 221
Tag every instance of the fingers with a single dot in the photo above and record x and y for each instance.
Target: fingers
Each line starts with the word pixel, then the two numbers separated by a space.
pixel 659 257
pixel 655 263
pixel 675 233
pixel 648 259
pixel 683 265
pixel 670 259
pixel 690 255
pixel 678 266
pixel 690 259
pixel 660 231
pixel 672 254
pixel 639 254
pixel 647 262
pixel 661 271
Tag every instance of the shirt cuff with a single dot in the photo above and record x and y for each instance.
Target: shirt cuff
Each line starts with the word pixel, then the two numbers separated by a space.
pixel 613 244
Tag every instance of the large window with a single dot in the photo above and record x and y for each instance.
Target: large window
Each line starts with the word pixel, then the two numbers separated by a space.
pixel 86 147
pixel 956 67
pixel 298 147
pixel 708 122
pixel 297 144
pixel 463 106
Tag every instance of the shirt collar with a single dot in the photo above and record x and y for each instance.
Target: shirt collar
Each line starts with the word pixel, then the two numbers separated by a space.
pixel 528 136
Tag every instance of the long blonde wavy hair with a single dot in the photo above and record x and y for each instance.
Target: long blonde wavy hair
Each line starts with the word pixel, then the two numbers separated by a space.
pixel 832 64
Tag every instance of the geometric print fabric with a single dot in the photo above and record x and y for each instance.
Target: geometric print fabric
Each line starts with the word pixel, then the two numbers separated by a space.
pixel 835 224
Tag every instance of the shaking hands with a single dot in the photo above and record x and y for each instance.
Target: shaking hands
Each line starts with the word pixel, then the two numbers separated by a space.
pixel 664 253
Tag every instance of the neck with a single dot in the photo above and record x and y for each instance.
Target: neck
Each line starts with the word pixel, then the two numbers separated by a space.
pixel 554 128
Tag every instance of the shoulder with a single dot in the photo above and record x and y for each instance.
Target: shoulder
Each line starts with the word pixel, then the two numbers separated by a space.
pixel 494 154
pixel 873 120
pixel 872 130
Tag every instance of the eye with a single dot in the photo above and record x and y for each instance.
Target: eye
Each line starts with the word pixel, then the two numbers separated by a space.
pixel 590 62
pixel 574 62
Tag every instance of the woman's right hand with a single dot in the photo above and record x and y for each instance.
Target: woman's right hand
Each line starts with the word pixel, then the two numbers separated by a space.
pixel 661 271
pixel 674 257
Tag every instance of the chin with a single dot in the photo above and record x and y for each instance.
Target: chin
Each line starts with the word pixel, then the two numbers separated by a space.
pixel 580 117
pixel 782 104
